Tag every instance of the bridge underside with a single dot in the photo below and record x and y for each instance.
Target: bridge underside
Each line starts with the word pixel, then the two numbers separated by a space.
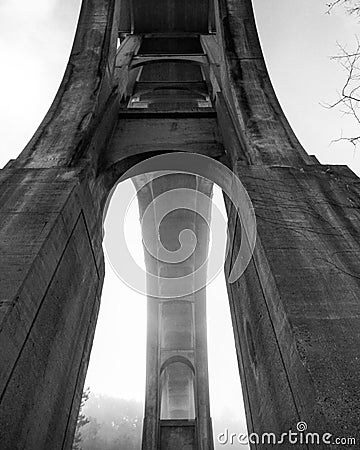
pixel 147 78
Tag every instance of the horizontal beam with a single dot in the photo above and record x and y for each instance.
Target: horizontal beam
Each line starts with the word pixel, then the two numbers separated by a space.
pixel 138 61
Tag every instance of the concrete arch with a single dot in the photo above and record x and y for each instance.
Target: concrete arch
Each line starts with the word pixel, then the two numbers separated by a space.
pixel 188 59
pixel 175 359
pixel 172 388
pixel 53 198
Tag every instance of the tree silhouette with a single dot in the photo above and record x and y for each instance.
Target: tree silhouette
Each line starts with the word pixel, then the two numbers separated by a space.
pixel 352 6
pixel 113 423
pixel 349 96
pixel 82 420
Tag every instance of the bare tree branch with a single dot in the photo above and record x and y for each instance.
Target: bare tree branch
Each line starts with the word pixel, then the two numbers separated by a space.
pixel 349 96
pixel 352 6
pixel 332 5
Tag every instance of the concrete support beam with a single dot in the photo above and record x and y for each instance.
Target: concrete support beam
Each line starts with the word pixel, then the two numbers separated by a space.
pixel 295 311
pixel 51 278
pixel 143 60
pixel 84 94
pixel 134 137
pixel 266 136
pixel 177 409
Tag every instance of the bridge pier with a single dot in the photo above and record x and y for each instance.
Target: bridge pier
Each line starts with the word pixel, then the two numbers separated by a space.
pixel 295 311
pixel 177 406
pixel 190 78
pixel 52 271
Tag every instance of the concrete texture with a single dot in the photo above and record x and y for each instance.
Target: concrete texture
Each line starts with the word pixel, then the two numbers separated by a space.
pixel 49 303
pixel 177 437
pixel 306 269
pixel 176 374
pixel 295 311
pixel 132 136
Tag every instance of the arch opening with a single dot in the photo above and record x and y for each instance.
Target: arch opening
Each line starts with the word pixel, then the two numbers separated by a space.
pixel 177 392
pixel 177 374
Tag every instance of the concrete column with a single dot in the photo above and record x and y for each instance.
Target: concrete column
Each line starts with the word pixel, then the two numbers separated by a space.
pixel 295 311
pixel 185 344
pixel 51 277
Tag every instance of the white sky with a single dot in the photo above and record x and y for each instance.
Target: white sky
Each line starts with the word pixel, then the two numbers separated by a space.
pixel 297 39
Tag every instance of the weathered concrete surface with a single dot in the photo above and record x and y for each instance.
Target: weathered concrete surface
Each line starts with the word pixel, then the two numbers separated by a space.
pixel 171 16
pixel 65 133
pixel 178 437
pixel 295 311
pixel 49 303
pixel 51 259
pixel 176 371
pixel 134 136
pixel 264 133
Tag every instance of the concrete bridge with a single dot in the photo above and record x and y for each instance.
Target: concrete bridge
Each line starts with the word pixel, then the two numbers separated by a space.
pixel 148 78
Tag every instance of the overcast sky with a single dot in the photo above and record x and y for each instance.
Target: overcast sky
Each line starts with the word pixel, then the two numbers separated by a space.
pixel 297 38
